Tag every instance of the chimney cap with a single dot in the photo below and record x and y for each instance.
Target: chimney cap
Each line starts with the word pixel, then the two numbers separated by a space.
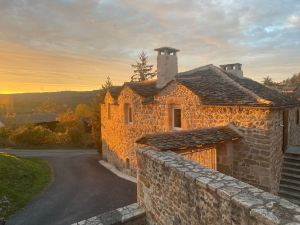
pixel 167 50
pixel 231 64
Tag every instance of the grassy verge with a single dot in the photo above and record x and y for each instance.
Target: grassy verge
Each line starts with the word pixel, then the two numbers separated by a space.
pixel 20 180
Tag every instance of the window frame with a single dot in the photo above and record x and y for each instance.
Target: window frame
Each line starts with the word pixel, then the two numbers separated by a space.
pixel 128 113
pixel 176 107
pixel 298 117
pixel 109 111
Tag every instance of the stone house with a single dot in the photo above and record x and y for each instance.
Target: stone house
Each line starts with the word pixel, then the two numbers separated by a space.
pixel 212 115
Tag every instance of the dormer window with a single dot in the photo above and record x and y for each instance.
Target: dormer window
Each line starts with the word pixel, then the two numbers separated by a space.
pixel 128 113
pixel 176 118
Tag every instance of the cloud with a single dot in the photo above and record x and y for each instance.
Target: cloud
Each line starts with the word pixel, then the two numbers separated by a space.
pixel 294 21
pixel 263 35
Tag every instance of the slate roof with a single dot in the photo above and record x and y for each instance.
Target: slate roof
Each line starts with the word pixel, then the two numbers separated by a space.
pixel 115 91
pixel 145 89
pixel 215 86
pixel 213 89
pixel 190 139
pixel 264 92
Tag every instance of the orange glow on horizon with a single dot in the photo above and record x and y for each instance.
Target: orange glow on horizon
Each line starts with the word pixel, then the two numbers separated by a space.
pixel 28 70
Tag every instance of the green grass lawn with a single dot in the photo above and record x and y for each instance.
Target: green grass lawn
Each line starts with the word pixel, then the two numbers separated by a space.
pixel 20 180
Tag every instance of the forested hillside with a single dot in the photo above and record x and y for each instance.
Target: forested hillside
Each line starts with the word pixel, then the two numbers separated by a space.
pixel 50 101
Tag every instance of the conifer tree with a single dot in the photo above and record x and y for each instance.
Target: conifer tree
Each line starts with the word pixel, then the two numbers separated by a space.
pixel 142 71
pixel 108 83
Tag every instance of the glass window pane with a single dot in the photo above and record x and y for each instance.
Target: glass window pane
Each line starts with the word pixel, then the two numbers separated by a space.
pixel 129 114
pixel 177 118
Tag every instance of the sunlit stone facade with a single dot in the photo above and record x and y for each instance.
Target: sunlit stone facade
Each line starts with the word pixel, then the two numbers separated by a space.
pixel 255 159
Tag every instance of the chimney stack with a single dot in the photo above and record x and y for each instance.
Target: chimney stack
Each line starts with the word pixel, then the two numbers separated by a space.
pixel 167 65
pixel 235 69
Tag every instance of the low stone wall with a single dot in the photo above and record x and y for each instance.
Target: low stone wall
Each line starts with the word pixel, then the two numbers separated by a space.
pixel 128 215
pixel 177 191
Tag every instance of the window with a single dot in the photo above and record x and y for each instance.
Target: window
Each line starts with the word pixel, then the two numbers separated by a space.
pixel 108 111
pixel 298 117
pixel 128 113
pixel 176 118
pixel 127 163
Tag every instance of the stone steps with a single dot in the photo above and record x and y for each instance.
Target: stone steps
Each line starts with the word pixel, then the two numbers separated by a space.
pixel 293 165
pixel 290 178
pixel 291 196
pixel 287 181
pixel 290 170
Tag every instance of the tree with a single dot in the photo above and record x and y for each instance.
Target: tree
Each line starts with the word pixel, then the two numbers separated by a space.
pixel 293 81
pixel 67 117
pixel 142 71
pixel 268 81
pixel 108 83
pixel 83 110
pixel 95 121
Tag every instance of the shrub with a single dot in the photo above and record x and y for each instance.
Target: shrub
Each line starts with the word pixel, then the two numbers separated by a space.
pixel 5 132
pixel 76 135
pixel 32 136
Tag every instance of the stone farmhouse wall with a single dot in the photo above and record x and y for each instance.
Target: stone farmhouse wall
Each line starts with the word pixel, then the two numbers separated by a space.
pixel 174 190
pixel 256 159
pixel 294 138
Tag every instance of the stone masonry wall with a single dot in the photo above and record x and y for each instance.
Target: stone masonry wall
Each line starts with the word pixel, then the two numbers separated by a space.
pixel 254 157
pixel 174 190
pixel 294 127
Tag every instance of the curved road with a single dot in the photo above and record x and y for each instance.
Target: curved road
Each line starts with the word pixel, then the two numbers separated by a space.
pixel 81 189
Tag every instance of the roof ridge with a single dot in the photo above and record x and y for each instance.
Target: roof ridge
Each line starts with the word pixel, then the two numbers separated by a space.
pixel 194 70
pixel 246 90
pixel 190 130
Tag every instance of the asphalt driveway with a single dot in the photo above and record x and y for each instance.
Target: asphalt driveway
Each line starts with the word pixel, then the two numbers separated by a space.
pixel 81 189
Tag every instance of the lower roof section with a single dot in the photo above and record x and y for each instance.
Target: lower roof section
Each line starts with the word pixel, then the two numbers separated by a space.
pixel 188 139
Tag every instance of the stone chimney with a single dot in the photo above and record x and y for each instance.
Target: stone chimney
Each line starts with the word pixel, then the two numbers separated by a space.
pixel 235 69
pixel 167 65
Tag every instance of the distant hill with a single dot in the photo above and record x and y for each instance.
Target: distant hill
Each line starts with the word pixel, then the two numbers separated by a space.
pixel 50 101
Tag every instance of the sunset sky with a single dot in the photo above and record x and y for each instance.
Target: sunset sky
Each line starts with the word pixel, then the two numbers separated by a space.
pixel 51 45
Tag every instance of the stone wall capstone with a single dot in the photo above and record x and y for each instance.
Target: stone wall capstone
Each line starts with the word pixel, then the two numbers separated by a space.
pixel 127 215
pixel 177 191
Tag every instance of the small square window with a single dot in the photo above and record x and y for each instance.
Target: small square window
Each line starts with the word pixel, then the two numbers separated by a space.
pixel 176 118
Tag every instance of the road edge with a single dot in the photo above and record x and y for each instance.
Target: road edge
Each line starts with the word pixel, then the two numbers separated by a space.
pixel 117 172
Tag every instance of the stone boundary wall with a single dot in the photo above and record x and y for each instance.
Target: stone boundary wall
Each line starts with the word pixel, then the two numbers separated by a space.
pixel 177 191
pixel 128 215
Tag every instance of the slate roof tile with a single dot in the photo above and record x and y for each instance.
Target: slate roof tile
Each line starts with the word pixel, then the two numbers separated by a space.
pixel 188 139
pixel 215 86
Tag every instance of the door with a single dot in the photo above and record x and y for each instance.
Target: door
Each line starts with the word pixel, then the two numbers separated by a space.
pixel 285 130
